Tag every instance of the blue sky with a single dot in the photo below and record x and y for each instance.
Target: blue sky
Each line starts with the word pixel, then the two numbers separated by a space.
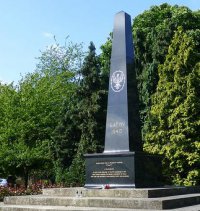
pixel 28 26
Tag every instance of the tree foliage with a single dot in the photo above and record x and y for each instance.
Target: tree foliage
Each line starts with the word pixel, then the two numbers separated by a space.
pixel 153 31
pixel 82 123
pixel 104 58
pixel 31 111
pixel 175 114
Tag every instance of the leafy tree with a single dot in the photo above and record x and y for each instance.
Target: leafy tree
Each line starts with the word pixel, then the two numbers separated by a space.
pixel 90 112
pixel 33 111
pixel 81 125
pixel 8 98
pixel 66 137
pixel 60 58
pixel 104 58
pixel 153 31
pixel 175 114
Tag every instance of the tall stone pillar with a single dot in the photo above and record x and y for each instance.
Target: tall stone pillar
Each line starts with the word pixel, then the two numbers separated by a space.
pixel 123 125
pixel 122 164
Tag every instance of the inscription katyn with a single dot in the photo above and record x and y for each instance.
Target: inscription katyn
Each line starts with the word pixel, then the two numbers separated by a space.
pixel 117 127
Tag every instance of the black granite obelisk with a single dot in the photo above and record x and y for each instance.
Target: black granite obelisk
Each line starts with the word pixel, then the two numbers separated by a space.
pixel 122 125
pixel 122 164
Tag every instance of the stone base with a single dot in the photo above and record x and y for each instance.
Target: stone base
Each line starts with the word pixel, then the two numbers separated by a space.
pixel 68 199
pixel 123 170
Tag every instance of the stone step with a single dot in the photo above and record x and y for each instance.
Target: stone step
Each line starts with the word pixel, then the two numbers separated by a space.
pixel 71 208
pixel 122 193
pixel 55 208
pixel 169 202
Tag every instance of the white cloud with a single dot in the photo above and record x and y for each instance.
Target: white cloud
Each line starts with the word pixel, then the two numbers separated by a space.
pixel 48 34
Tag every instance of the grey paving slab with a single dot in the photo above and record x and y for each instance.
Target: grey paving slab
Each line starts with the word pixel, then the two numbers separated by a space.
pixel 124 193
pixel 70 208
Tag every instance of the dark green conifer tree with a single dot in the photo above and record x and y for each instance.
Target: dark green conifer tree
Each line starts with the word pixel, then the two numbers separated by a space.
pixel 153 31
pixel 81 129
pixel 90 115
pixel 175 114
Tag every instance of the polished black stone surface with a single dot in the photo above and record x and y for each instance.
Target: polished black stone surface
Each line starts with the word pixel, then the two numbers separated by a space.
pixel 122 124
pixel 128 170
pixel 122 164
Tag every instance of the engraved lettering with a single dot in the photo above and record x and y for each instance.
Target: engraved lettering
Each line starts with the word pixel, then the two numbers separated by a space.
pixel 109 170
pixel 116 124
pixel 117 127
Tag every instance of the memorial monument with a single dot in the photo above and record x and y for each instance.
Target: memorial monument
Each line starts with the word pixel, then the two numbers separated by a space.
pixel 122 164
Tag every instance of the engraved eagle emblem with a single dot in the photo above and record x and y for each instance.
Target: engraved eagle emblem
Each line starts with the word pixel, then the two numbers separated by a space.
pixel 117 81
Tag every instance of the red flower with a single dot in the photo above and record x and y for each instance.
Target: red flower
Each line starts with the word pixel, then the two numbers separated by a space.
pixel 107 186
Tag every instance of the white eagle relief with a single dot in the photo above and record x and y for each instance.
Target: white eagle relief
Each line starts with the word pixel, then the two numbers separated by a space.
pixel 117 81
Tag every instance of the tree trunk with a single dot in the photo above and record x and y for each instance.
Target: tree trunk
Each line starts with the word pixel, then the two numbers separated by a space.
pixel 26 174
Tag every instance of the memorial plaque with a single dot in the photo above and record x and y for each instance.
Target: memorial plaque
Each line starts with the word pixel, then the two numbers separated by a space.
pixel 118 168
pixel 123 170
pixel 122 164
